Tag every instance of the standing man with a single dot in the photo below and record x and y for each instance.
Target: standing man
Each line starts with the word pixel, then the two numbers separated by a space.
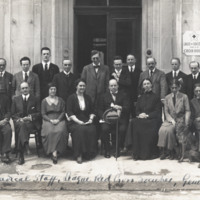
pixel 45 71
pixel 121 75
pixel 175 73
pixel 135 72
pixel 26 118
pixel 5 80
pixel 96 76
pixel 159 83
pixel 64 81
pixel 25 76
pixel 192 79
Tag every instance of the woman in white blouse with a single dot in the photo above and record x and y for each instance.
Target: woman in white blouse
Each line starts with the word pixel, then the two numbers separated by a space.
pixel 81 116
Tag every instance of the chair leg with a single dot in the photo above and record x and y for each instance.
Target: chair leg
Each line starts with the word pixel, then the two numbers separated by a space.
pixel 37 144
pixel 102 146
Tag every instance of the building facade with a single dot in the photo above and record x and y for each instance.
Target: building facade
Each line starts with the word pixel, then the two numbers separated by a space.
pixel 72 28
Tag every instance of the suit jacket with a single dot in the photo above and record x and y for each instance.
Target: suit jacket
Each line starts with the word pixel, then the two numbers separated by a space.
pixel 33 81
pixel 169 77
pixel 180 108
pixel 33 109
pixel 124 80
pixel 133 88
pixel 121 100
pixel 4 107
pixel 195 108
pixel 38 69
pixel 65 87
pixel 188 87
pixel 97 84
pixel 159 83
pixel 8 81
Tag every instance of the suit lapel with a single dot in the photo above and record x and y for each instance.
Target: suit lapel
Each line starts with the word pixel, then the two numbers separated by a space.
pixel 6 81
pixel 92 70
pixel 64 78
pixel 178 99
pixel 100 70
pixel 111 98
pixel 171 101
pixel 154 76
pixel 30 77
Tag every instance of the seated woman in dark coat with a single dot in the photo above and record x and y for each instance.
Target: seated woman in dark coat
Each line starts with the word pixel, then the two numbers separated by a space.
pixel 81 115
pixel 142 131
pixel 177 113
pixel 54 129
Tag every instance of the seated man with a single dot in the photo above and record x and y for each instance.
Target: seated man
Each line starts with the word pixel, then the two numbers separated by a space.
pixel 26 117
pixel 119 101
pixel 5 128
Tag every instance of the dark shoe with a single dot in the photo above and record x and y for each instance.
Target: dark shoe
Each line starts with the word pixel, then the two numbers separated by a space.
pixel 107 154
pixel 124 150
pixel 79 159
pixel 163 156
pixel 21 159
pixel 5 159
pixel 54 158
pixel 14 151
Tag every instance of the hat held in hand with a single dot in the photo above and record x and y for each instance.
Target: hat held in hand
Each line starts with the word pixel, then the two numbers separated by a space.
pixel 111 116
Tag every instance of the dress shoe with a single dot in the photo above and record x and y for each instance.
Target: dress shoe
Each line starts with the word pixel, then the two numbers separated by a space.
pixel 5 159
pixel 163 156
pixel 21 159
pixel 107 154
pixel 14 151
pixel 54 158
pixel 79 159
pixel 124 150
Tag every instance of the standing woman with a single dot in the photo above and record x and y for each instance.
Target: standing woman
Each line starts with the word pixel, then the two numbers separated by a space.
pixel 54 129
pixel 81 127
pixel 142 131
pixel 177 112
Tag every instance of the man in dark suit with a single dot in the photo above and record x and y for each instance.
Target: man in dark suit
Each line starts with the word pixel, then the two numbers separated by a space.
pixel 5 80
pixel 134 72
pixel 159 83
pixel 117 100
pixel 5 128
pixel 64 81
pixel 121 75
pixel 25 114
pixel 26 76
pixel 45 71
pixel 175 73
pixel 192 79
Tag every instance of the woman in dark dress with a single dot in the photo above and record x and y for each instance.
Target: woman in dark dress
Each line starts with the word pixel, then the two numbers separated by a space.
pixel 81 115
pixel 142 131
pixel 54 129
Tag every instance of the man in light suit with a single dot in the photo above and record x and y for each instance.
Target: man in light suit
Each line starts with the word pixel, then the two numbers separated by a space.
pixel 159 83
pixel 175 73
pixel 5 80
pixel 26 76
pixel 45 71
pixel 192 79
pixel 96 76
pixel 64 81
pixel 26 117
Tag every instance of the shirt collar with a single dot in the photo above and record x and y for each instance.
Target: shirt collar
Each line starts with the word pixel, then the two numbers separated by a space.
pixel 118 72
pixel 3 72
pixel 177 72
pixel 96 65
pixel 195 75
pixel 176 94
pixel 25 96
pixel 131 68
pixel 67 73
pixel 23 72
pixel 152 70
pixel 43 63
pixel 114 93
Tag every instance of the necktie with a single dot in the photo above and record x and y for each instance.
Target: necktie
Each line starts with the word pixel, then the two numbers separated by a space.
pixel 24 107
pixel 26 77
pixel 1 74
pixel 194 77
pixel 151 73
pixel 96 67
pixel 46 67
pixel 174 100
pixel 174 74
pixel 114 96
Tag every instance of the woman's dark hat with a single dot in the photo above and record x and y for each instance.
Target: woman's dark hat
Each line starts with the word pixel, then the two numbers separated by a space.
pixel 111 116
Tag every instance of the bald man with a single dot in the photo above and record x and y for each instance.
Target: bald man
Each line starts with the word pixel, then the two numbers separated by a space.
pixel 118 100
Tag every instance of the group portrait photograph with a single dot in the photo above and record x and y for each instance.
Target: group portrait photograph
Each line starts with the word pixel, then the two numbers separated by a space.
pixel 100 99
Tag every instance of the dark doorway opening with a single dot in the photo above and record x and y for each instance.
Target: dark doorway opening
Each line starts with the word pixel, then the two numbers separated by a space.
pixel 91 35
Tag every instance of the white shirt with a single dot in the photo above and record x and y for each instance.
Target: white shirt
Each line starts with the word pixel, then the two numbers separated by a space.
pixel 48 64
pixel 67 73
pixel 176 72
pixel 25 96
pixel 131 68
pixel 118 72
pixel 96 69
pixel 3 72
pixel 150 72
pixel 114 96
pixel 23 74
pixel 195 75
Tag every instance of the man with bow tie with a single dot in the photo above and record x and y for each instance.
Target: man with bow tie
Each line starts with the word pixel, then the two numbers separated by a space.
pixel 25 76
pixel 191 79
pixel 117 100
pixel 121 75
pixel 64 81
pixel 175 73
pixel 26 118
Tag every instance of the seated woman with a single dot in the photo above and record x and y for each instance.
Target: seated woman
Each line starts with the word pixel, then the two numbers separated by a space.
pixel 142 131
pixel 81 127
pixel 195 112
pixel 54 129
pixel 177 113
